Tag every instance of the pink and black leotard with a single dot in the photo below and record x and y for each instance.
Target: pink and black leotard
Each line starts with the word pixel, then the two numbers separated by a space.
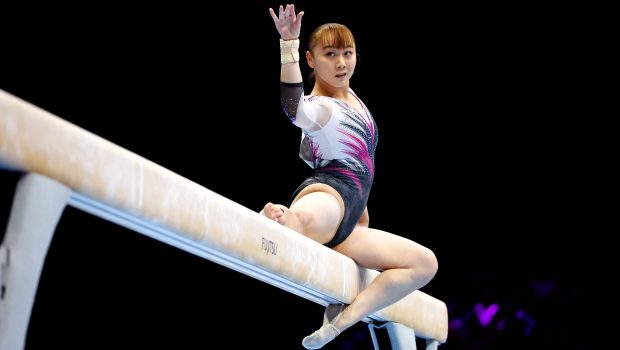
pixel 338 142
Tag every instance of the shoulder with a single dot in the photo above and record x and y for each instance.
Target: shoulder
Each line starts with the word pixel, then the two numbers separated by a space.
pixel 313 98
pixel 318 102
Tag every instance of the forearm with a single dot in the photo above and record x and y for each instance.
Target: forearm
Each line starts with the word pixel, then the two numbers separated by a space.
pixel 291 73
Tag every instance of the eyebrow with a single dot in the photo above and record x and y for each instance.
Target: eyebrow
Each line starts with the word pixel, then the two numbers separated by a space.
pixel 334 47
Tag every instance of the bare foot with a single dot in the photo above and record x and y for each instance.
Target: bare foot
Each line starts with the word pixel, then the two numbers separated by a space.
pixel 274 212
pixel 282 215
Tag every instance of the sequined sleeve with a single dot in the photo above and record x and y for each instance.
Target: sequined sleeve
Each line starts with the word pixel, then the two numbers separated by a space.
pixel 291 93
pixel 302 113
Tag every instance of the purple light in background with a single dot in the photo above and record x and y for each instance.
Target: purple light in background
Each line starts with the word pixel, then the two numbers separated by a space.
pixel 530 322
pixel 501 325
pixel 543 288
pixel 456 323
pixel 485 315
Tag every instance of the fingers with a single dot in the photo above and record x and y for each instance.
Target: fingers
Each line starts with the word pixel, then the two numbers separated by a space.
pixel 290 10
pixel 281 12
pixel 273 15
pixel 280 15
pixel 286 14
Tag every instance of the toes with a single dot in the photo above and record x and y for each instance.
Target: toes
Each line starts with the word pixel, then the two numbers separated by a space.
pixel 320 337
pixel 275 211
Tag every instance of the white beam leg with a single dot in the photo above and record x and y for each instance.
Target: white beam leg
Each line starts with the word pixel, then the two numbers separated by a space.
pixel 401 337
pixel 37 207
pixel 431 344
pixel 373 334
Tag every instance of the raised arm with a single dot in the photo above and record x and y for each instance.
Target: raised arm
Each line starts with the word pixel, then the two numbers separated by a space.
pixel 288 25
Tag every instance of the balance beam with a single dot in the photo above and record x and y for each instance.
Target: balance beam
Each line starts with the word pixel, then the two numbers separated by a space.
pixel 121 186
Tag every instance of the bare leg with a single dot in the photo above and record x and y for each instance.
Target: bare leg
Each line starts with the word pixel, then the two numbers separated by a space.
pixel 316 215
pixel 406 265
pixel 284 216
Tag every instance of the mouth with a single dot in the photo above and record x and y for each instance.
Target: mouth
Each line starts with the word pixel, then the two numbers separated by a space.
pixel 341 75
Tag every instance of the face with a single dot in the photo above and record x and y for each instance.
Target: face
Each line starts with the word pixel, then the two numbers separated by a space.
pixel 332 65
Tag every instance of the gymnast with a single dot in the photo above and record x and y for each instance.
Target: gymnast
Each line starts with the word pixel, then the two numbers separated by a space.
pixel 339 139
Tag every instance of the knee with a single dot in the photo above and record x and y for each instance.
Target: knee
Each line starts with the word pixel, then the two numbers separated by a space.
pixel 427 266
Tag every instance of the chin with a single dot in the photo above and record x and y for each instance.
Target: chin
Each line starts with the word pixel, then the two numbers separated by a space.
pixel 341 83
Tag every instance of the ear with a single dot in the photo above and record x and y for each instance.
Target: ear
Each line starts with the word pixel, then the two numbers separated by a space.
pixel 309 59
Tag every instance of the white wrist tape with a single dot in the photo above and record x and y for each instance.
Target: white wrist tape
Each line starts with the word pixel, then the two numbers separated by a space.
pixel 289 51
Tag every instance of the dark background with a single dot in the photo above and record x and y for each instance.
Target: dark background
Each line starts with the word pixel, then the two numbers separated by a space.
pixel 475 161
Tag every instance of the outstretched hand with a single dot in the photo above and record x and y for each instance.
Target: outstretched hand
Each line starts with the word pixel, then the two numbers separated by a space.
pixel 287 22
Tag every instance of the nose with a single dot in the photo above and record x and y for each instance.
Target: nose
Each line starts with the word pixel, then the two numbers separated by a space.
pixel 340 64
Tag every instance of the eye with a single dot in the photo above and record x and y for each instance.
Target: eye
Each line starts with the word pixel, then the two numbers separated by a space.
pixel 349 53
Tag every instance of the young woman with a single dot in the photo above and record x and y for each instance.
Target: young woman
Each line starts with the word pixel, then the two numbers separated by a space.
pixel 339 141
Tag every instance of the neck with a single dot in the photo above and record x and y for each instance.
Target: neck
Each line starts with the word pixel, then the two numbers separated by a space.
pixel 322 89
pixel 338 93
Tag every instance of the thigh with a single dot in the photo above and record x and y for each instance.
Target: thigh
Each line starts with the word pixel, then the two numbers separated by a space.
pixel 381 250
pixel 322 210
pixel 322 205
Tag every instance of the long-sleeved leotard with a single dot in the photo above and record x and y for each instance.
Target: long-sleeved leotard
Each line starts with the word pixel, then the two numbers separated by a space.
pixel 339 143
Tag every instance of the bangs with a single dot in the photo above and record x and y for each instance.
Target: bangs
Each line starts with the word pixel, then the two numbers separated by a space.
pixel 333 34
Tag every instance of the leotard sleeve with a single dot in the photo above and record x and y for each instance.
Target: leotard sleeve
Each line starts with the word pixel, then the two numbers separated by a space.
pixel 306 112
